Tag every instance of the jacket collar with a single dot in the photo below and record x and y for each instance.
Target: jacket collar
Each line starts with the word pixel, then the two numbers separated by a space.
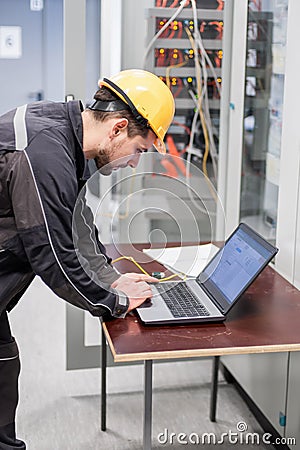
pixel 75 108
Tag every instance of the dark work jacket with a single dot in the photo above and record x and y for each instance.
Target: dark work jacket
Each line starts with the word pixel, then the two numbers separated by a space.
pixel 41 165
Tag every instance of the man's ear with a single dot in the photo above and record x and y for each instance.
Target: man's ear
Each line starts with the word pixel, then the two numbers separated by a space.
pixel 119 126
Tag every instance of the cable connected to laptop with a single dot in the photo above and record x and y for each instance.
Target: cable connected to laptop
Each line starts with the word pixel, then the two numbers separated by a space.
pixel 159 275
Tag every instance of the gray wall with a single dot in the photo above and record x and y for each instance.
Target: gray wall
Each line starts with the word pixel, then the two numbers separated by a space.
pixel 41 65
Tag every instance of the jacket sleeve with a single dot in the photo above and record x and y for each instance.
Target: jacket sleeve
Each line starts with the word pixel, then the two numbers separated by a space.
pixel 61 249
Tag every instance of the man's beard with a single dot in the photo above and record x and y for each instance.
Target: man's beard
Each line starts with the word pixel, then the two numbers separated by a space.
pixel 102 162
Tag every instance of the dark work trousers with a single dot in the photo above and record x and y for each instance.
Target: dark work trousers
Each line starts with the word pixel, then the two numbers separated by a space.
pixel 9 374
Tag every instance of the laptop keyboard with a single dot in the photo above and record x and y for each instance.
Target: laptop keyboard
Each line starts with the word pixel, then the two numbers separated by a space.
pixel 181 301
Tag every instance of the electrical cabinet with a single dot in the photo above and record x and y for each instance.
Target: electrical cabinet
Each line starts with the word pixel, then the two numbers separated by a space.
pixel 254 197
pixel 172 58
pixel 175 194
pixel 270 380
pixel 264 377
pixel 293 403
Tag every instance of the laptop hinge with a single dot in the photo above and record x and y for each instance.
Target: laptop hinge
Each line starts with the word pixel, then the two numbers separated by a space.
pixel 215 302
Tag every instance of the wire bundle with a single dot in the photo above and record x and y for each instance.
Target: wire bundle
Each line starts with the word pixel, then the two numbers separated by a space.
pixel 202 62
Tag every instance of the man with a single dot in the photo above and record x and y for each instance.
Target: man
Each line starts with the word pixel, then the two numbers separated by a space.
pixel 43 151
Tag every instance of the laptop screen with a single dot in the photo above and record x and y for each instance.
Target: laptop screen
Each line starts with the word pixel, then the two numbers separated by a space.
pixel 235 266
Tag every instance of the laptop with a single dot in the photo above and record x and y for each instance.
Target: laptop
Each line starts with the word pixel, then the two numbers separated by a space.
pixel 219 286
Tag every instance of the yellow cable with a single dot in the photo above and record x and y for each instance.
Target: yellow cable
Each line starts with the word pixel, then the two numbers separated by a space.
pixel 202 118
pixel 130 258
pixel 173 276
pixel 174 66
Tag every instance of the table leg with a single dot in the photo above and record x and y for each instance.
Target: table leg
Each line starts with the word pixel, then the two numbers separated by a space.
pixel 147 432
pixel 214 388
pixel 103 380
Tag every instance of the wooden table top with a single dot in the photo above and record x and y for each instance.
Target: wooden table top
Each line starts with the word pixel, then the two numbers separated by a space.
pixel 266 319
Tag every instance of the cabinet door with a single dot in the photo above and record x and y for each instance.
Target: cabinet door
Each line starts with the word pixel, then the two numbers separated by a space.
pixel 293 403
pixel 264 378
pixel 263 114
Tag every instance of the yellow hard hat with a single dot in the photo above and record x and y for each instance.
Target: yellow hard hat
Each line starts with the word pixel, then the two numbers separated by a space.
pixel 149 99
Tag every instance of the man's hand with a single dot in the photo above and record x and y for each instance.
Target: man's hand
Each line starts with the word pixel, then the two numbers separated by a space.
pixel 135 287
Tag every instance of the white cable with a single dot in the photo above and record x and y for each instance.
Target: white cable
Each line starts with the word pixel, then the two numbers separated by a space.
pixel 196 201
pixel 193 130
pixel 204 93
pixel 183 3
pixel 199 41
pixel 210 130
pixel 201 74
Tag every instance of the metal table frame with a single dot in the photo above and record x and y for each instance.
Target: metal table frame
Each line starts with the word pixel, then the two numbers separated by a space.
pixel 148 372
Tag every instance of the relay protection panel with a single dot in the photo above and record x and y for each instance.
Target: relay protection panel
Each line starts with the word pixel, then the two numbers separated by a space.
pixel 191 69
